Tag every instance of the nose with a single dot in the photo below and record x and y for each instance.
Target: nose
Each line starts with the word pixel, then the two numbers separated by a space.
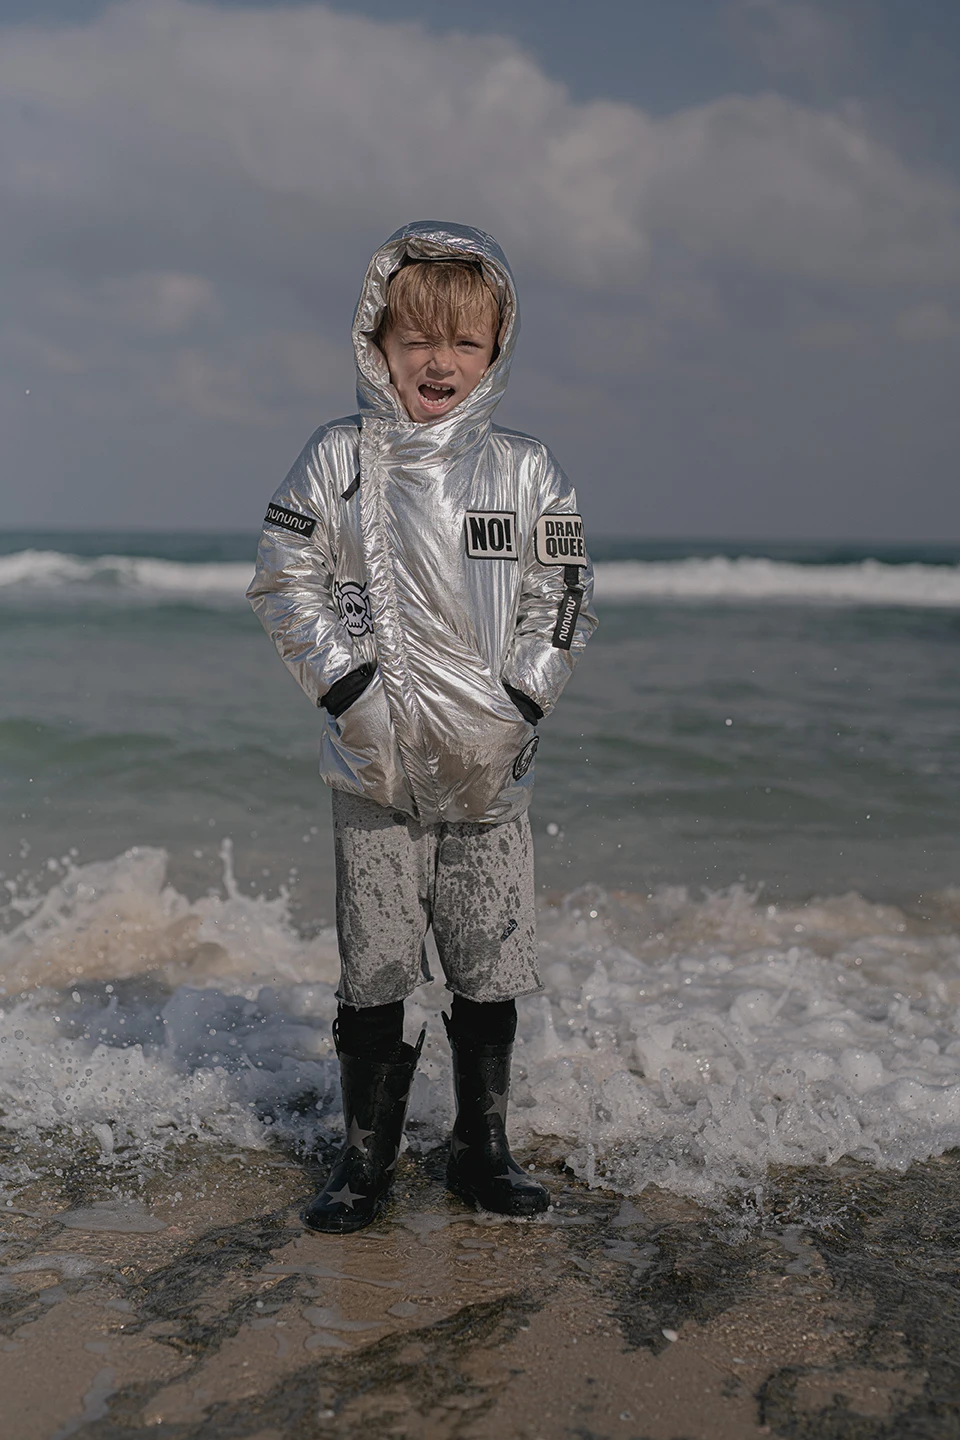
pixel 441 360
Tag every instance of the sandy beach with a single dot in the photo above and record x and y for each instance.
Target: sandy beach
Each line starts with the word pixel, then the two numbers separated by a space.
pixel 203 1311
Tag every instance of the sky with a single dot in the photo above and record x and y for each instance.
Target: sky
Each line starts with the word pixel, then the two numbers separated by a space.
pixel 735 227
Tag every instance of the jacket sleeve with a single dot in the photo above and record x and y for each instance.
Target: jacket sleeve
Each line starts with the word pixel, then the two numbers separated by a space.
pixel 555 618
pixel 292 589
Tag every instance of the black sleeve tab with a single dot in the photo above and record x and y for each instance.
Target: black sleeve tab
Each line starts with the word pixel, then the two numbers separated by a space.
pixel 290 520
pixel 568 610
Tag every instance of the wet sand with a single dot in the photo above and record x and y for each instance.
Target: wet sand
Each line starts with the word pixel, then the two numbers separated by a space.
pixel 205 1312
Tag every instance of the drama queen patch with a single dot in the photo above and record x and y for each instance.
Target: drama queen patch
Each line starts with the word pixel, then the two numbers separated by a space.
pixel 353 602
pixel 558 540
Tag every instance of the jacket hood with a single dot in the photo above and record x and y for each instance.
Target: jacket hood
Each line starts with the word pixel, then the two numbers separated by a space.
pixel 376 397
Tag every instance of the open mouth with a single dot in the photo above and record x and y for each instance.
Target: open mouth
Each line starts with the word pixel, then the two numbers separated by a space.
pixel 435 397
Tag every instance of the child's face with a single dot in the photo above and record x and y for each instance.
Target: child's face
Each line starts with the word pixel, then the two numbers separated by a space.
pixel 432 375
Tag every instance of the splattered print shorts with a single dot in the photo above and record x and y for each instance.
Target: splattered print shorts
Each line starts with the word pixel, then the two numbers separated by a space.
pixel 395 879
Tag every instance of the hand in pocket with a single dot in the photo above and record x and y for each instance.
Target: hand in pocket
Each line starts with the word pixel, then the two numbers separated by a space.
pixel 528 708
pixel 347 689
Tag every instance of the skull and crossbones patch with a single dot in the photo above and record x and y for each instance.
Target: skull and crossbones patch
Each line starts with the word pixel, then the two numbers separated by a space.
pixel 353 602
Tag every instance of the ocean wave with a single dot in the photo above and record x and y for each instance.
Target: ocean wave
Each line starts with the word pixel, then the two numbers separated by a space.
pixel 124 576
pixel 751 578
pixel 680 1041
pixel 715 578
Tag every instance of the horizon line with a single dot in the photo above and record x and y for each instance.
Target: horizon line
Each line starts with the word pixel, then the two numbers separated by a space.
pixel 598 536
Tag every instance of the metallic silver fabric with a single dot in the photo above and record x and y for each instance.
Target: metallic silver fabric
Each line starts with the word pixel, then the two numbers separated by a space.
pixel 472 883
pixel 389 570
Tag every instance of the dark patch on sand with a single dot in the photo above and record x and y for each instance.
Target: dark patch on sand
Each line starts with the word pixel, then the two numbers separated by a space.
pixel 181 1291
pixel 692 1277
pixel 310 1402
pixel 831 1311
pixel 892 1253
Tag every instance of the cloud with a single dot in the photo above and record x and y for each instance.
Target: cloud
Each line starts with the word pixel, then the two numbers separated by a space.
pixel 788 36
pixel 927 322
pixel 158 302
pixel 190 193
pixel 163 130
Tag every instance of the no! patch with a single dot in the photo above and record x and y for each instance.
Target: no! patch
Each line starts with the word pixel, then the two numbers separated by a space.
pixel 491 534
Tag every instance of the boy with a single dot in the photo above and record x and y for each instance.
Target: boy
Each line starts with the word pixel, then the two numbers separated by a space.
pixel 423 575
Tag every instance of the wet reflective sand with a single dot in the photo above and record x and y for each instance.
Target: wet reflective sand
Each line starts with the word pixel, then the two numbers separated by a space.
pixel 203 1311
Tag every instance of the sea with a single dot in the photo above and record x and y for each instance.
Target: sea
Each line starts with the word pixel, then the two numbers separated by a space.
pixel 748 869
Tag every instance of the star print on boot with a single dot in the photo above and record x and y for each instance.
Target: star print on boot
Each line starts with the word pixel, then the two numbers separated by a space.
pixel 374 1106
pixel 481 1169
pixel 345 1196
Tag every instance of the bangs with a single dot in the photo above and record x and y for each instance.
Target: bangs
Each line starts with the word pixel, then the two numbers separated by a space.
pixel 438 298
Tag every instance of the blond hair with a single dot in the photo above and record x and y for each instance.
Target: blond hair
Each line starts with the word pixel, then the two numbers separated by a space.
pixel 437 298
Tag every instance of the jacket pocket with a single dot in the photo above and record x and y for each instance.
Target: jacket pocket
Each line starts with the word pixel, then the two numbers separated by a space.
pixel 345 692
pixel 364 728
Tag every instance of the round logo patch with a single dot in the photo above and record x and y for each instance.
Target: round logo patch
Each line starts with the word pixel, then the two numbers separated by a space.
pixel 354 606
pixel 525 759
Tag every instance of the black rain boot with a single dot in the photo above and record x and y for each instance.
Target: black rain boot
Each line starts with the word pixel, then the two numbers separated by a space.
pixel 375 1095
pixel 481 1168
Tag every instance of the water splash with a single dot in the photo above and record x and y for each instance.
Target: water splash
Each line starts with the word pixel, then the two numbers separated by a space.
pixel 685 1041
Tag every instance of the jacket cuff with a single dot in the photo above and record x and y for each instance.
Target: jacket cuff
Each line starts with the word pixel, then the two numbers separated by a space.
pixel 529 709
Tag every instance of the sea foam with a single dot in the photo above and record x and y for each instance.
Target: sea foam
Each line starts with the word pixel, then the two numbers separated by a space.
pixel 123 576
pixel 755 578
pixel 685 1041
pixel 120 578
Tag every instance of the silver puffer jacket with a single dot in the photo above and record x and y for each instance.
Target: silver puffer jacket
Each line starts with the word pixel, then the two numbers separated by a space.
pixel 450 553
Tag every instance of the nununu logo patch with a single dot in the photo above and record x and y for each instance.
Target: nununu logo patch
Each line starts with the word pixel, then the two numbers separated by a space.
pixel 491 534
pixel 567 616
pixel 289 520
pixel 558 540
pixel 353 602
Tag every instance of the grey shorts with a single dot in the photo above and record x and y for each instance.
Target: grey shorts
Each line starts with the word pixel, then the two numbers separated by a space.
pixel 395 879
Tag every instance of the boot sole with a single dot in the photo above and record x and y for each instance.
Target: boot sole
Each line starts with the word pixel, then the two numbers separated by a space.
pixel 342 1224
pixel 523 1211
